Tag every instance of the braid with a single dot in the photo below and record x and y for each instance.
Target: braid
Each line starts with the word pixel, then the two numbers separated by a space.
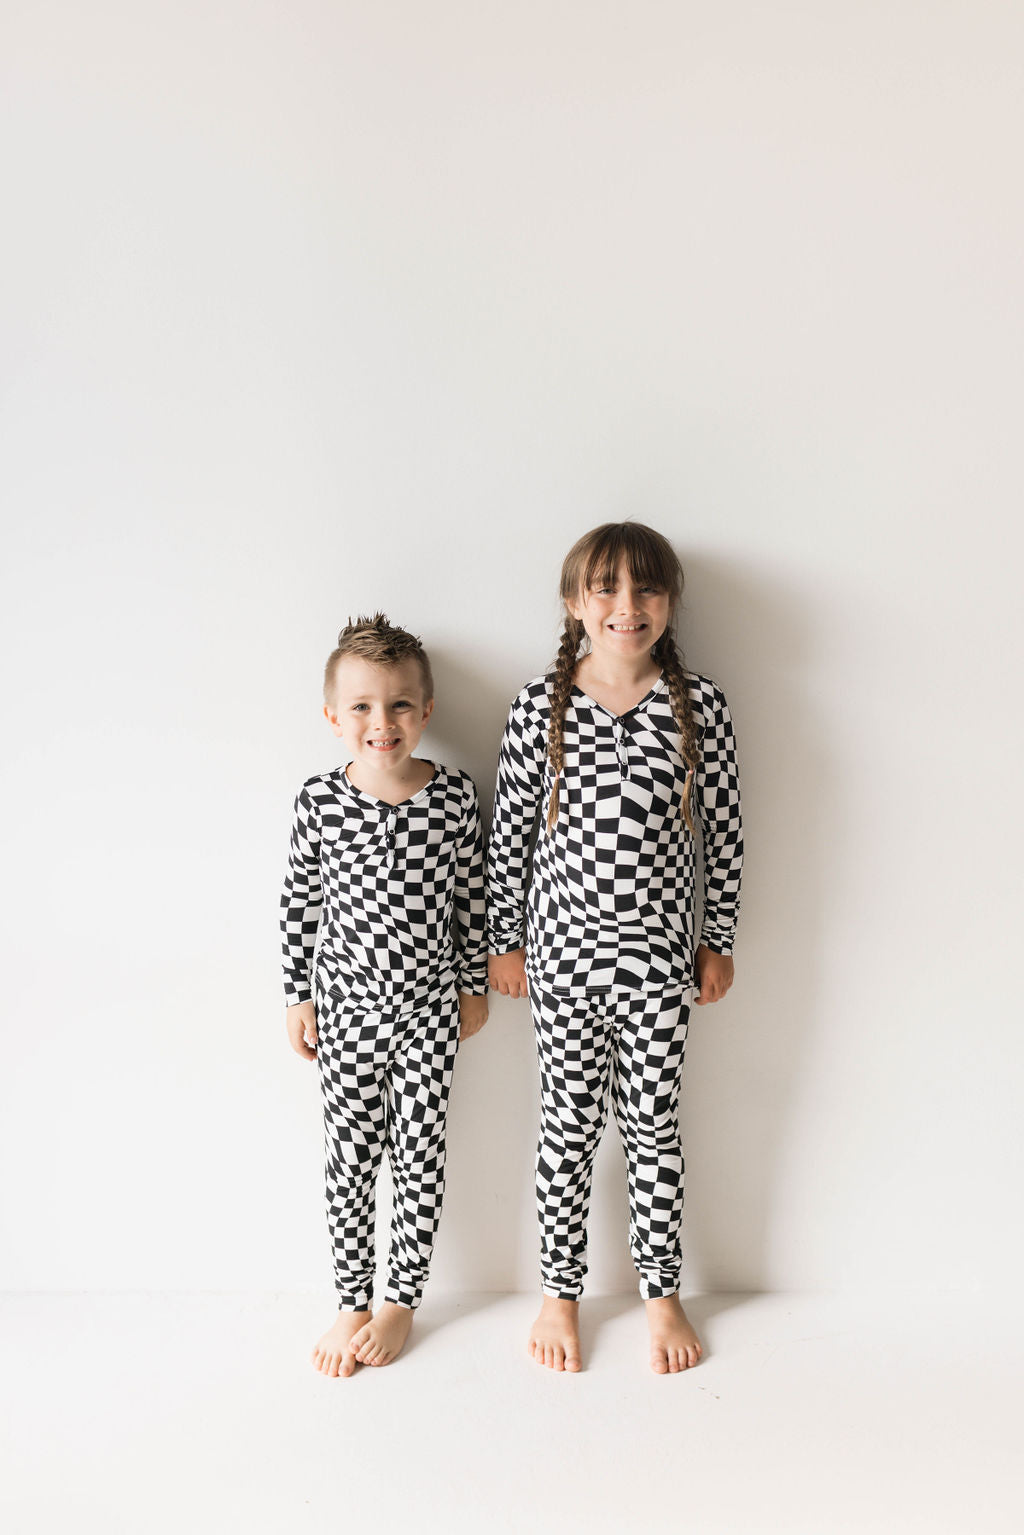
pixel 666 652
pixel 565 670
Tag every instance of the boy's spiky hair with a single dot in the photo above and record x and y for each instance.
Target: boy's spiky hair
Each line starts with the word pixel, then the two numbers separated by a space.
pixel 379 642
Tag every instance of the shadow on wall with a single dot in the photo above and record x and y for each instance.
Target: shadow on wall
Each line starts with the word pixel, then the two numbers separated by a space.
pixel 487 1239
pixel 745 1055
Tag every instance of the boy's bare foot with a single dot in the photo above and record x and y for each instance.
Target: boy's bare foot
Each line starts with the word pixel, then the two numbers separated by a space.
pixel 555 1337
pixel 383 1336
pixel 674 1344
pixel 331 1355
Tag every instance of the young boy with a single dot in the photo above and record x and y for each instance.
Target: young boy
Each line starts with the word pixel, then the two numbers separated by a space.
pixel 389 848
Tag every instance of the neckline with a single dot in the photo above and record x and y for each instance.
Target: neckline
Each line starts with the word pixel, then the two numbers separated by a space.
pixel 655 687
pixel 373 799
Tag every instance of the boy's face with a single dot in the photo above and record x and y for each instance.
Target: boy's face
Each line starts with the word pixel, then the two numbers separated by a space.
pixel 380 711
pixel 623 618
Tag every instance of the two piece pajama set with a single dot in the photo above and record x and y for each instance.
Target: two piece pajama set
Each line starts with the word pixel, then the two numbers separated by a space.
pixel 609 930
pixel 391 882
pixel 609 946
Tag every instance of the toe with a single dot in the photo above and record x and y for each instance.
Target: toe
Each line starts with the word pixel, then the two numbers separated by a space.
pixel 673 1361
pixel 659 1364
pixel 572 1361
pixel 558 1359
pixel 348 1364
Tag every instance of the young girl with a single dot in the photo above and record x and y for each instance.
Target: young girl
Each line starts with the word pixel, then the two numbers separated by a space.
pixel 625 751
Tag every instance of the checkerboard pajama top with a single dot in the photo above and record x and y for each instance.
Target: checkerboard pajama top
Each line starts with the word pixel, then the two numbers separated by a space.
pixel 611 900
pixel 396 886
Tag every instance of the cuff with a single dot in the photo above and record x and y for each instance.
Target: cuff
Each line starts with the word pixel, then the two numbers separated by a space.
pixel 505 945
pixel 717 943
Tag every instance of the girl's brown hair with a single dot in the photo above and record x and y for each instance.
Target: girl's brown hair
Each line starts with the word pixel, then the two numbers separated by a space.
pixel 594 560
pixel 377 641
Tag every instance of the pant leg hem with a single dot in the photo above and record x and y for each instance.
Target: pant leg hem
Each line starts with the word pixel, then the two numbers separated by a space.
pixel 652 1291
pixel 357 1300
pixel 397 1296
pixel 559 1292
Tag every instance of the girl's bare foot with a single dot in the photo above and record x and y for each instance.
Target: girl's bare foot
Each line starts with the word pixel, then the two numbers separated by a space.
pixel 555 1337
pixel 383 1336
pixel 331 1355
pixel 674 1344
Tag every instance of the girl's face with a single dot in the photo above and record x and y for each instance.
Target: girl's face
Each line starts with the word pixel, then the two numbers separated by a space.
pixel 623 619
pixel 380 711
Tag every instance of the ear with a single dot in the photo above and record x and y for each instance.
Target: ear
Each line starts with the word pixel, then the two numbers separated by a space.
pixel 332 720
pixel 428 709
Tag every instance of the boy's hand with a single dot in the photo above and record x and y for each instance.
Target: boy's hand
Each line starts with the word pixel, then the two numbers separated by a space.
pixel 301 1021
pixel 714 974
pixel 472 1014
pixel 507 973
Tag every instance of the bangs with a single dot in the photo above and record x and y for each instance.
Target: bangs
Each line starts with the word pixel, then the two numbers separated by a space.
pixel 649 559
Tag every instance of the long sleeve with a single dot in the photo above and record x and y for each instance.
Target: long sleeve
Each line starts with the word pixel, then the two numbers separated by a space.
pixel 469 899
pixel 301 900
pixel 718 806
pixel 516 802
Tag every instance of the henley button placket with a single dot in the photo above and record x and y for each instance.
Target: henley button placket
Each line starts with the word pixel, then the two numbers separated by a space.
pixel 621 750
pixel 389 820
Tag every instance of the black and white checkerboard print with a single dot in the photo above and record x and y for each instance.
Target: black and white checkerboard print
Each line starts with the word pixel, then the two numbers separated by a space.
pixel 633 1046
pixel 611 900
pixel 396 884
pixel 385 1083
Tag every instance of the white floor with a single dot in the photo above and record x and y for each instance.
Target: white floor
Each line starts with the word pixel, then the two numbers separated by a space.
pixel 808 1414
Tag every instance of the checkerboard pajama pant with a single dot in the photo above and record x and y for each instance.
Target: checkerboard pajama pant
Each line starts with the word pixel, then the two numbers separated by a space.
pixel 632 1042
pixel 385 1084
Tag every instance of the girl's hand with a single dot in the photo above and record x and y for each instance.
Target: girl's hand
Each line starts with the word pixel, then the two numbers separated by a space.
pixel 301 1023
pixel 507 973
pixel 714 974
pixel 472 1014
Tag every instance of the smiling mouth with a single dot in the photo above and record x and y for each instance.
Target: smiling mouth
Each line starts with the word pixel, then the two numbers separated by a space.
pixel 384 746
pixel 626 628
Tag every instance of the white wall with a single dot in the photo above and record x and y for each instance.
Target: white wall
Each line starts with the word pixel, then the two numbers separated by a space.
pixel 316 307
